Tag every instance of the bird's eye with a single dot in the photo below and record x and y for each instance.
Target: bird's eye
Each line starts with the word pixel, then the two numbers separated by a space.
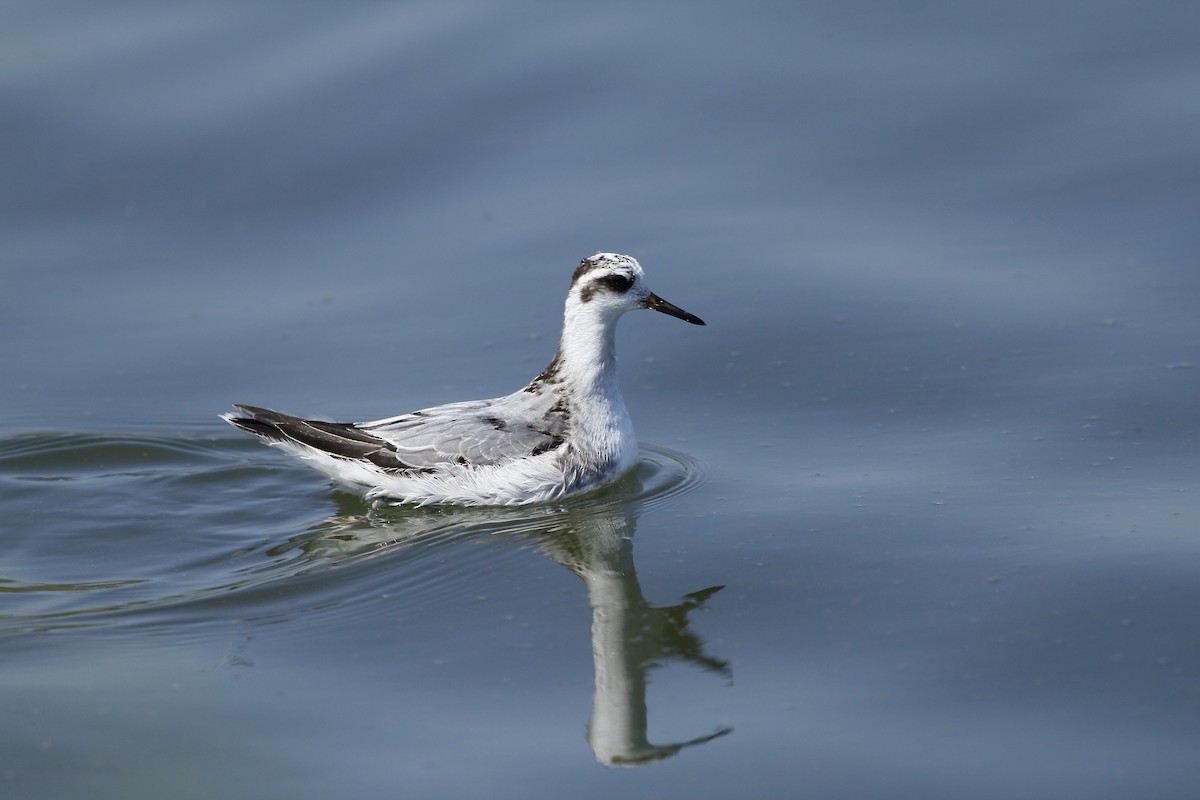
pixel 618 283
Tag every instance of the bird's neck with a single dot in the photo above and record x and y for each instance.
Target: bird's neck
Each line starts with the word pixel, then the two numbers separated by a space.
pixel 587 357
pixel 583 378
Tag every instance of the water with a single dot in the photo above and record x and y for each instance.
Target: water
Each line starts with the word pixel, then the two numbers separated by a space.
pixel 917 513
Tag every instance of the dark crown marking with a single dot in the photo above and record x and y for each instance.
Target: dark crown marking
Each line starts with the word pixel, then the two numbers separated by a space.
pixel 585 266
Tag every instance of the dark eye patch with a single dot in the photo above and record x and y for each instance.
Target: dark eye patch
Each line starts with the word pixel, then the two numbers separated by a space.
pixel 617 282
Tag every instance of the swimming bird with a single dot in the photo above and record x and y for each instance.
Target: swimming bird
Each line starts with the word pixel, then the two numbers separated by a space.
pixel 564 432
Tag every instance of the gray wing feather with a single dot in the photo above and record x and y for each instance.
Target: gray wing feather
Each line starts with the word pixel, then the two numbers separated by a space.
pixel 476 433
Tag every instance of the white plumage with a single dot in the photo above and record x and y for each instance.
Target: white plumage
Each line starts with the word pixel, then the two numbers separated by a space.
pixel 564 432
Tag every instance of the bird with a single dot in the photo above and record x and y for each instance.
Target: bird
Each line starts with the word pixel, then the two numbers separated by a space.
pixel 565 432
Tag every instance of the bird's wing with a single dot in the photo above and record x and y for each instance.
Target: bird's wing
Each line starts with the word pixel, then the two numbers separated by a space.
pixel 475 433
pixel 340 439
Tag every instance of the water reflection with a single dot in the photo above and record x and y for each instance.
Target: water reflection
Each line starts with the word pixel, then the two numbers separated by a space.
pixel 630 636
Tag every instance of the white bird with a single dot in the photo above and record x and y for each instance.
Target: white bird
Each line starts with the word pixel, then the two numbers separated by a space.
pixel 565 432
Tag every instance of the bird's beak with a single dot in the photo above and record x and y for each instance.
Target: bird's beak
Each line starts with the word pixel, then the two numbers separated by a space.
pixel 658 304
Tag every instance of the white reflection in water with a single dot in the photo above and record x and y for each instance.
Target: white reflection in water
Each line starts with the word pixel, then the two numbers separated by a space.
pixel 630 636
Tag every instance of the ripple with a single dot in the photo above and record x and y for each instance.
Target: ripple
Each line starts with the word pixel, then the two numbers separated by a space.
pixel 158 530
pixel 42 456
pixel 667 475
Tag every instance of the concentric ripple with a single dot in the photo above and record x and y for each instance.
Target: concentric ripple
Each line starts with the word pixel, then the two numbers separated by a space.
pixel 131 530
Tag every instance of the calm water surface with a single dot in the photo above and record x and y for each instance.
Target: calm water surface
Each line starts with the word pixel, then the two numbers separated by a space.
pixel 917 513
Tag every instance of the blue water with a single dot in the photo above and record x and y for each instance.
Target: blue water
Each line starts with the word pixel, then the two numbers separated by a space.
pixel 917 514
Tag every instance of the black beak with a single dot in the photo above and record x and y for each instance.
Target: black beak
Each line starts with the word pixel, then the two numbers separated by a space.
pixel 658 304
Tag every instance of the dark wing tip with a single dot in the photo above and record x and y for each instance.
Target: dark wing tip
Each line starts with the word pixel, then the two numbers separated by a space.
pixel 260 422
pixel 339 439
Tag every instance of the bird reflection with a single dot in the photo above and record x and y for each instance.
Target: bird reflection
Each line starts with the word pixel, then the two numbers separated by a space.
pixel 630 636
